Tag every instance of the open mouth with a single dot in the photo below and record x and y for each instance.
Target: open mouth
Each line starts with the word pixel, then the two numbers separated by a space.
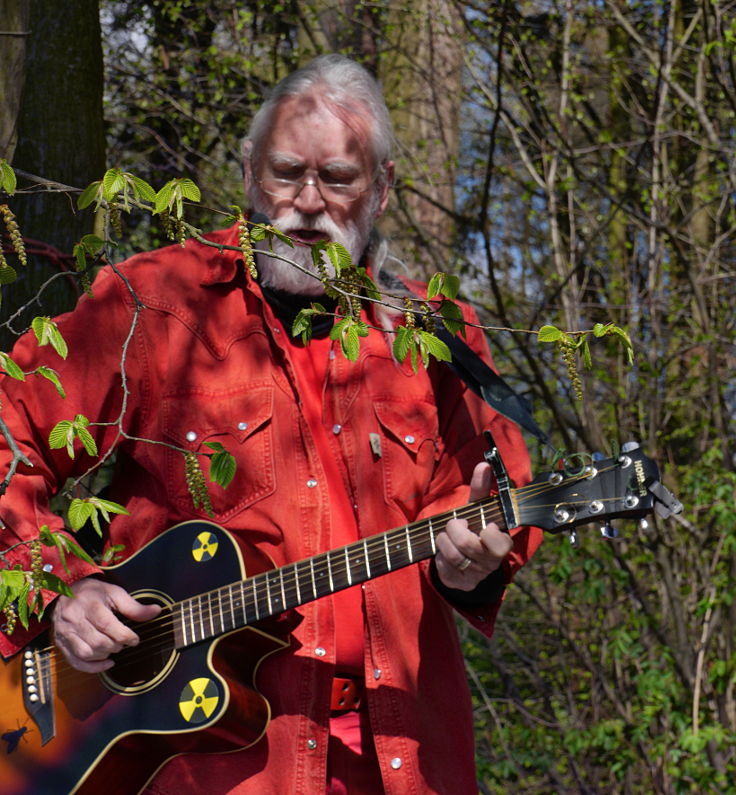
pixel 307 237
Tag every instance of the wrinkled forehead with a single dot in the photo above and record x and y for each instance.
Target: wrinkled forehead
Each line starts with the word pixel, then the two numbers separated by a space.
pixel 315 120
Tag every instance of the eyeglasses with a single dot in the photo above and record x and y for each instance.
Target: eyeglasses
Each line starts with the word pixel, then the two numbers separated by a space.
pixel 330 191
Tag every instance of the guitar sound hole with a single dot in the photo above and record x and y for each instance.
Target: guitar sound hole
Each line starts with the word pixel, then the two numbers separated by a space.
pixel 139 668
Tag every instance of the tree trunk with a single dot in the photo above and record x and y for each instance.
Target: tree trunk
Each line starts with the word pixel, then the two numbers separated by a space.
pixel 60 138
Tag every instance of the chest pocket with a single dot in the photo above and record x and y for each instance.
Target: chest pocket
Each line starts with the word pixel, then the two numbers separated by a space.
pixel 241 421
pixel 408 449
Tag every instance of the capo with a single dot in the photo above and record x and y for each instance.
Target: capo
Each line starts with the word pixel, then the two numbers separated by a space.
pixel 493 457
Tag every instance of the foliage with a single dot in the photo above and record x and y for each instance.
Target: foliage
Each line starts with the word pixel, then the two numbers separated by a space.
pixel 574 164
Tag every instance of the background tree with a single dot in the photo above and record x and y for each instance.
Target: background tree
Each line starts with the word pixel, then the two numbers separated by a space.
pixel 57 115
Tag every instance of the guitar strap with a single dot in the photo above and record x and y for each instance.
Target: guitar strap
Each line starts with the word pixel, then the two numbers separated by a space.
pixel 489 385
pixel 479 377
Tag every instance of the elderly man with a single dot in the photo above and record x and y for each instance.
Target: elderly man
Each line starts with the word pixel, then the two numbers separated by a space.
pixel 328 452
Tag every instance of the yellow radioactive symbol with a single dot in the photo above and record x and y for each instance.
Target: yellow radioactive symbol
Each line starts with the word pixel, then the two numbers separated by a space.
pixel 198 700
pixel 204 547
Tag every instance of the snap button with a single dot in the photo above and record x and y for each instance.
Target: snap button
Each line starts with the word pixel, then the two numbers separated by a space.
pixel 396 763
pixel 48 567
pixel 311 744
pixel 320 652
pixel 311 483
pixel 409 439
pixel 376 673
pixel 336 428
pixel 191 436
pixel 242 426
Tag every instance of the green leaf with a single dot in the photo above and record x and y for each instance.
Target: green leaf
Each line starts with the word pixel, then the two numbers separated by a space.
pixel 53 583
pixel 8 181
pixel 112 183
pixel 348 331
pixel 302 324
pixel 47 333
pixel 93 192
pixel 339 256
pixel 83 510
pixel 444 284
pixel 80 511
pixel 402 342
pixel 452 317
pixel 22 604
pixel 89 444
pixel 222 465
pixel 163 198
pixel 585 352
pixel 189 190
pixel 141 189
pixel 550 334
pixel 62 435
pixel 8 274
pixel 435 346
pixel 369 286
pixel 65 432
pixel 64 545
pixel 53 376
pixel 11 368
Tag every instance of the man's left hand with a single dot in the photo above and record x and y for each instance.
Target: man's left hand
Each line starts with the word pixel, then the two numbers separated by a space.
pixel 464 558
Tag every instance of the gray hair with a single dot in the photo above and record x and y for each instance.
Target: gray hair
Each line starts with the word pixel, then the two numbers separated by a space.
pixel 341 81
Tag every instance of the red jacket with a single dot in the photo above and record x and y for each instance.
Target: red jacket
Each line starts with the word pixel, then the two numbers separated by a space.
pixel 207 362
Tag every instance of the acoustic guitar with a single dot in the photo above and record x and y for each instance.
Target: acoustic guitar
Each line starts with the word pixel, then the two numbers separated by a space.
pixel 63 731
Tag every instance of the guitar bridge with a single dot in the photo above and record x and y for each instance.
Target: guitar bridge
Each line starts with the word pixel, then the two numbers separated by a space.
pixel 37 686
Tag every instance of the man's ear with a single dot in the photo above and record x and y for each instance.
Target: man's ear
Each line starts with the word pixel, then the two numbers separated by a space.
pixel 388 170
pixel 247 166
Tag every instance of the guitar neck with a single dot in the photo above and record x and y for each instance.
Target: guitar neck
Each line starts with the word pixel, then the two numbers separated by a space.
pixel 262 596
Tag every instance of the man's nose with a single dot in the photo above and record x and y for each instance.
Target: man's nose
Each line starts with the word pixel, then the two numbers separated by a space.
pixel 309 200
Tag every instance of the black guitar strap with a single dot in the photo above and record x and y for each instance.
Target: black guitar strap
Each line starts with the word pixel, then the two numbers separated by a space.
pixel 489 385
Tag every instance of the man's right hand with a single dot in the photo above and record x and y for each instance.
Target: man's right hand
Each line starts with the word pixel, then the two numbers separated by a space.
pixel 86 627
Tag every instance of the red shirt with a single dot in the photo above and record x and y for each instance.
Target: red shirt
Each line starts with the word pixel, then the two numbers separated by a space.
pixel 206 361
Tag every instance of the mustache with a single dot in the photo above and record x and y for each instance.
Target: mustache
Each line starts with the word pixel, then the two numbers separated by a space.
pixel 295 221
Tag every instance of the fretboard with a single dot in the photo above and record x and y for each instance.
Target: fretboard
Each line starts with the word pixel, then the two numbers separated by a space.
pixel 268 594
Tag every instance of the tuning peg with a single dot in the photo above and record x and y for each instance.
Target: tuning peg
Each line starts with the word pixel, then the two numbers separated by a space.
pixel 573 538
pixel 608 531
pixel 628 447
pixel 643 524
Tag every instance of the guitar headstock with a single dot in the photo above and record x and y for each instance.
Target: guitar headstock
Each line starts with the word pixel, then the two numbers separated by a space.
pixel 627 486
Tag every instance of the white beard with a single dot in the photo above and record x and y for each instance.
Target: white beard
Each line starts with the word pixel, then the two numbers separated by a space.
pixel 280 275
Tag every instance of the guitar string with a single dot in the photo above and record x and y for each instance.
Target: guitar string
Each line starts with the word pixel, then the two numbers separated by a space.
pixel 205 615
pixel 322 565
pixel 158 630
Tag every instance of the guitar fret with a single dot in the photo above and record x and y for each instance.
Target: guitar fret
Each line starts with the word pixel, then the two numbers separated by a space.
pixel 431 537
pixel 408 544
pixel 329 573
pixel 347 566
pixel 283 592
pixel 482 516
pixel 232 607
pixel 193 618
pixel 314 584
pixel 183 623
pixel 296 582
pixel 388 555
pixel 367 559
pixel 255 601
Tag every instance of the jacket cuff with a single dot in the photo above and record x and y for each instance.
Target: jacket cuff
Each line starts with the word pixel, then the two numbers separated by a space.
pixel 488 591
